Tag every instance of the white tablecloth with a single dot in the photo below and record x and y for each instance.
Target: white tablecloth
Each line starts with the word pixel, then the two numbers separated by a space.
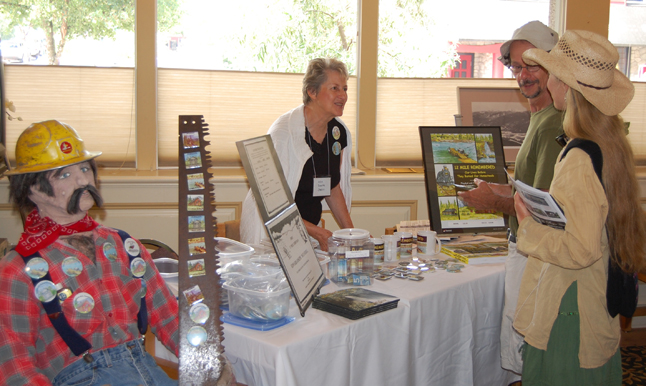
pixel 445 331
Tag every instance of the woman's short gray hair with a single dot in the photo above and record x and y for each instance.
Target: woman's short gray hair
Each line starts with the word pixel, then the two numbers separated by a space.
pixel 316 75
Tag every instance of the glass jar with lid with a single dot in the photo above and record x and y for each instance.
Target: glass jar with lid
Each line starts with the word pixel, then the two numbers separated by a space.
pixel 351 256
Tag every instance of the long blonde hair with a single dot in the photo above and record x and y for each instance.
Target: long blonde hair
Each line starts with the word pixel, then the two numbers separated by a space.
pixel 626 222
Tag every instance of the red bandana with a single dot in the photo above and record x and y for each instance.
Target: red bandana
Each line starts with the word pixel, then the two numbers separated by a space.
pixel 41 232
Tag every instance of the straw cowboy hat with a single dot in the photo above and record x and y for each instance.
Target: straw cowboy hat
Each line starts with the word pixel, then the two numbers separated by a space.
pixel 587 63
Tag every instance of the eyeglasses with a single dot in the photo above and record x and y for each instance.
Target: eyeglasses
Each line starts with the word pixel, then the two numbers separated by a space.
pixel 517 69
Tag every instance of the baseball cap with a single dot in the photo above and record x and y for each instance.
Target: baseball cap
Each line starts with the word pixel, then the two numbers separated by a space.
pixel 535 32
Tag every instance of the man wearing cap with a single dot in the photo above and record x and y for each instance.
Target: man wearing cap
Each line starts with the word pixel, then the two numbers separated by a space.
pixel 534 166
pixel 75 296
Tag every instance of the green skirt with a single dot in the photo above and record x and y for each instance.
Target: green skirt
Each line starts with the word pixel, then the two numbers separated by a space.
pixel 559 364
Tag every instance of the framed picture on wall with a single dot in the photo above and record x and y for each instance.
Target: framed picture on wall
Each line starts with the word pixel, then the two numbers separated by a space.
pixel 504 107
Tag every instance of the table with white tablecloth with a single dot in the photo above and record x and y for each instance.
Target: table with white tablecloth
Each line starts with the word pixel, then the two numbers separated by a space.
pixel 445 331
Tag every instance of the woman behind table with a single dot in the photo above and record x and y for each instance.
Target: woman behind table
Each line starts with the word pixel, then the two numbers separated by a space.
pixel 570 337
pixel 313 145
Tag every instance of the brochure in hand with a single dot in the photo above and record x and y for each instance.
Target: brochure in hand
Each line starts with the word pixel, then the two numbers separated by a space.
pixel 355 303
pixel 540 204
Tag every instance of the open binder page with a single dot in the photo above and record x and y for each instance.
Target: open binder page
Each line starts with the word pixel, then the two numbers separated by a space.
pixel 296 254
pixel 265 175
pixel 540 204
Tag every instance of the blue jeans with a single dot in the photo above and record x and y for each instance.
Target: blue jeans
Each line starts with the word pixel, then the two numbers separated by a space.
pixel 124 365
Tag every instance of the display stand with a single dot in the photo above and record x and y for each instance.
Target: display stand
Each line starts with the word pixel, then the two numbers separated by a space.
pixel 282 219
pixel 201 360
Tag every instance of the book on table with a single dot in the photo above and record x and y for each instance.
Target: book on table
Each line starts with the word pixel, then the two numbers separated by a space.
pixel 355 303
pixel 477 252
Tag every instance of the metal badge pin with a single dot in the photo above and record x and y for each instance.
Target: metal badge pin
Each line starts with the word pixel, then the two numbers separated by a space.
pixel 109 251
pixel 83 302
pixel 45 291
pixel 199 313
pixel 138 267
pixel 144 288
pixel 196 335
pixel 336 148
pixel 72 266
pixel 131 247
pixel 37 268
pixel 336 133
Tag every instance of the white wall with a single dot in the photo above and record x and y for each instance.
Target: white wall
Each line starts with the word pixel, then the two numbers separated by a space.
pixel 145 205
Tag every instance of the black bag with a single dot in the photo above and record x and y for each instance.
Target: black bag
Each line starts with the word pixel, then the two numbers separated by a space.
pixel 623 288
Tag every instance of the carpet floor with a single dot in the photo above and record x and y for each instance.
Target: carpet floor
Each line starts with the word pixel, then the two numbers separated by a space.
pixel 633 363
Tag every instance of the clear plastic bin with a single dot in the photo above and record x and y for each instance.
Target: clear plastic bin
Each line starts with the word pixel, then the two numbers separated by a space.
pixel 168 269
pixel 258 299
pixel 324 260
pixel 231 250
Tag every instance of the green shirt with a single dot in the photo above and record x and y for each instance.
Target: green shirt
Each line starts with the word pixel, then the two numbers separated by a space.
pixel 537 155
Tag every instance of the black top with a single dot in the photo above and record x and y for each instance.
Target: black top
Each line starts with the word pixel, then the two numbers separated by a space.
pixel 335 139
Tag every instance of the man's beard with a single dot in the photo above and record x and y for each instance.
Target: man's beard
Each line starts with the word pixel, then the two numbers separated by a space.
pixel 532 96
pixel 74 206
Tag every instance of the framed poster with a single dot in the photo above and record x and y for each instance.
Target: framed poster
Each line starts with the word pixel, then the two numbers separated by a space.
pixel 265 175
pixel 297 257
pixel 504 107
pixel 453 157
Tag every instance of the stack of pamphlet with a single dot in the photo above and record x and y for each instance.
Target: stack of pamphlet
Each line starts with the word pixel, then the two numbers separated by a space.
pixel 477 252
pixel 355 303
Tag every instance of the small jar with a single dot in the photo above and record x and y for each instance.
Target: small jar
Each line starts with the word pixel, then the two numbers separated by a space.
pixel 405 245
pixel 379 252
pixel 391 248
pixel 351 256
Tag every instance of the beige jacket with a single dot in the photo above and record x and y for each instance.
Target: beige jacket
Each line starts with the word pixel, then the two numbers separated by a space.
pixel 557 258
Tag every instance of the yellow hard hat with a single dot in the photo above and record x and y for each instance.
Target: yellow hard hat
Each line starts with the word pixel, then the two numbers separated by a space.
pixel 49 145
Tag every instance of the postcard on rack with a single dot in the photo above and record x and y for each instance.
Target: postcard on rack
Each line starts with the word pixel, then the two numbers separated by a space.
pixel 265 175
pixel 542 206
pixel 296 254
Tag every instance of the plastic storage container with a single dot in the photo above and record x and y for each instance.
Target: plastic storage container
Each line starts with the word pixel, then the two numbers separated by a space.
pixel 258 299
pixel 351 257
pixel 168 269
pixel 263 269
pixel 231 250
pixel 324 260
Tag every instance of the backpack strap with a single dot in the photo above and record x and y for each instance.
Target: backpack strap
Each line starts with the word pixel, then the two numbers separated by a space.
pixel 622 288
pixel 593 150
pixel 142 316
pixel 72 339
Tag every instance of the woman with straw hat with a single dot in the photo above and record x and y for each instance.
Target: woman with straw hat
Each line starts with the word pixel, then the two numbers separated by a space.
pixel 571 338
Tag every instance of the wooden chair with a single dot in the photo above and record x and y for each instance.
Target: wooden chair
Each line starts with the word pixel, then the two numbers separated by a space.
pixel 229 229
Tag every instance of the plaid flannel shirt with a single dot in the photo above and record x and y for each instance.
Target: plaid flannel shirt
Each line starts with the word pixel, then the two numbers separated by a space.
pixel 32 352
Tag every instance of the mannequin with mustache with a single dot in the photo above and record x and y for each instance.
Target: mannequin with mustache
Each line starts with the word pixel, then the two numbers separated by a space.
pixel 77 295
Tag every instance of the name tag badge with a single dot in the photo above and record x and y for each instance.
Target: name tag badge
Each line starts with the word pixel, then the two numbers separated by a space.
pixel 322 186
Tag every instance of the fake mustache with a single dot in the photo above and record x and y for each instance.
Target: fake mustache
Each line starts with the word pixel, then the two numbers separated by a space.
pixel 73 207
